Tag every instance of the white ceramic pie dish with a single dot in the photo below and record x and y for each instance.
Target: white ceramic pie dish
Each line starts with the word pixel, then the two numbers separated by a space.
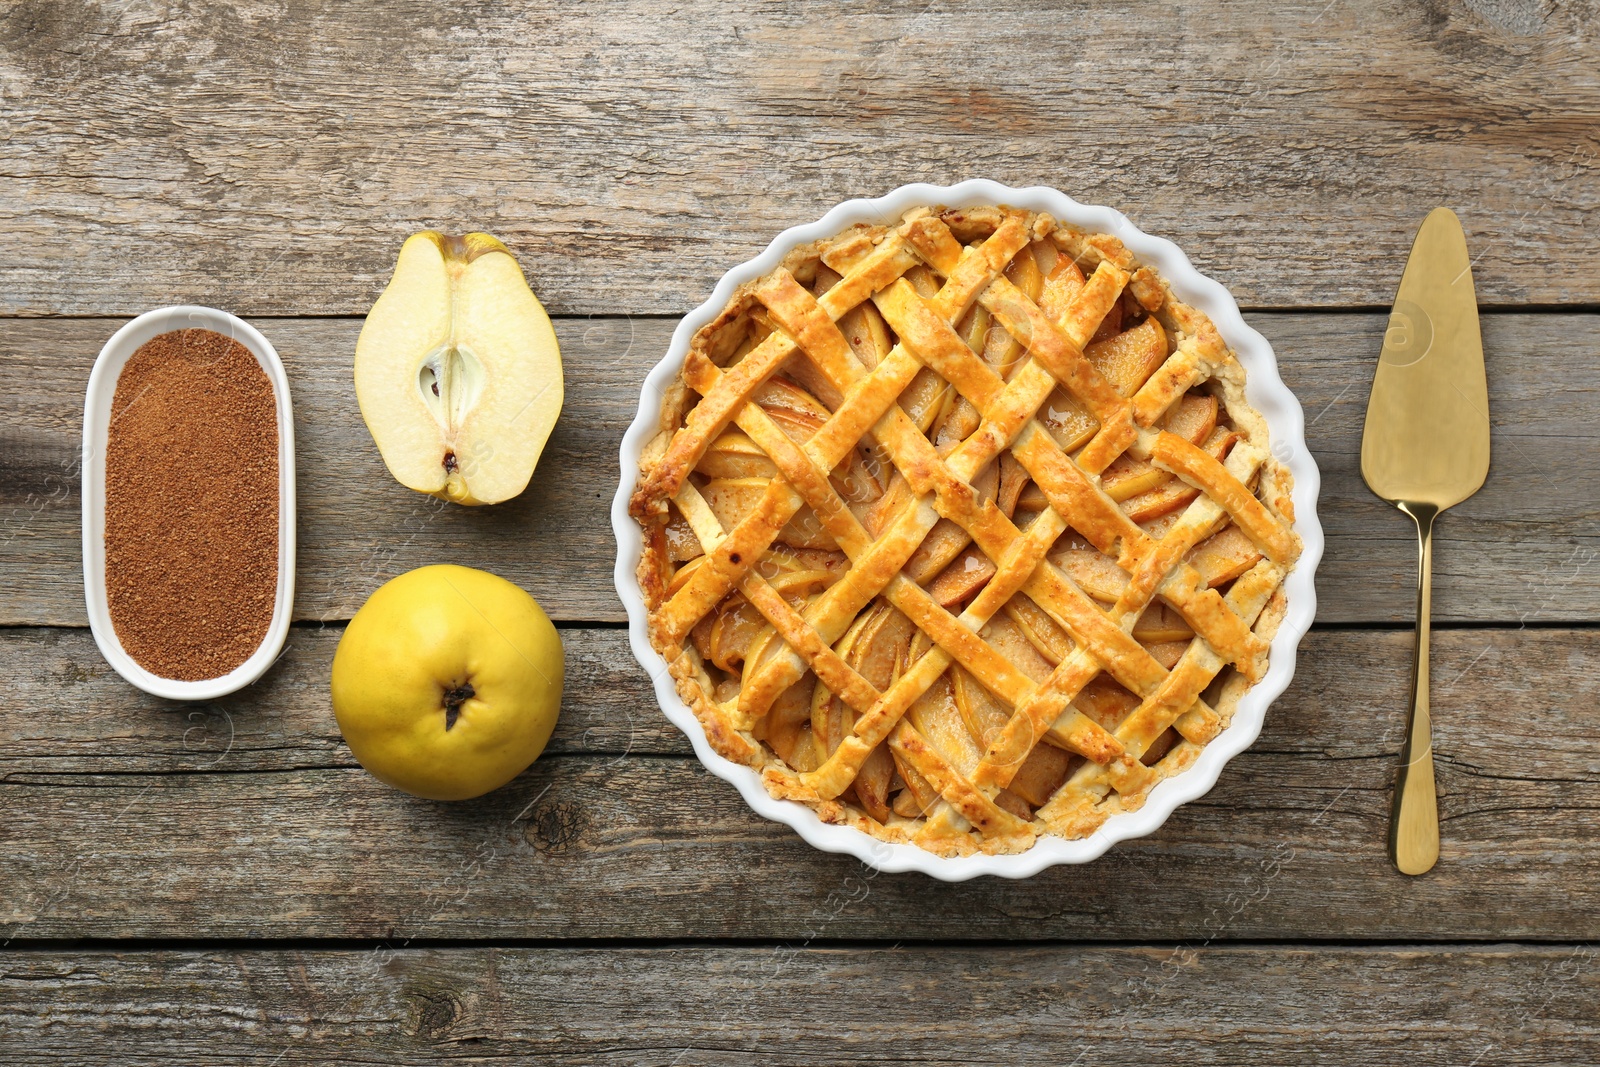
pixel 1264 390
pixel 96 422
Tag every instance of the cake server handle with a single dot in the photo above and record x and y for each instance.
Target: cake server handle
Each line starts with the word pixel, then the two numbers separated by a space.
pixel 1414 828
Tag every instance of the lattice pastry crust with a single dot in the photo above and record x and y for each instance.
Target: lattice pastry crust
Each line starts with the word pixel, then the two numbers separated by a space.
pixel 961 531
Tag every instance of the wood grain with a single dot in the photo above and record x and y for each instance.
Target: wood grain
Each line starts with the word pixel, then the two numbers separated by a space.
pixel 1524 549
pixel 734 1005
pixel 270 159
pixel 272 163
pixel 127 817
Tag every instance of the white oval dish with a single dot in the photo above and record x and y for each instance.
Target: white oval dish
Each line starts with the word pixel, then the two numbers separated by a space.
pixel 1264 390
pixel 96 419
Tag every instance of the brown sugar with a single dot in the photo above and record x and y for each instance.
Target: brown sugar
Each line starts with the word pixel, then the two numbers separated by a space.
pixel 192 505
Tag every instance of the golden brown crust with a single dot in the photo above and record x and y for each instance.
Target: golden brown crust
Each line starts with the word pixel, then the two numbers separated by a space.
pixel 895 398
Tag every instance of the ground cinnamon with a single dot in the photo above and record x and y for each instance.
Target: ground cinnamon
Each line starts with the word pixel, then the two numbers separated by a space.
pixel 192 505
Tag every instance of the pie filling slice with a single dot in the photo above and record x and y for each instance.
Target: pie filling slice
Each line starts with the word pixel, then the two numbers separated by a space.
pixel 961 531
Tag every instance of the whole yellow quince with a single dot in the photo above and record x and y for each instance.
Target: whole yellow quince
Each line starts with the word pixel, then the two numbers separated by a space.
pixel 447 682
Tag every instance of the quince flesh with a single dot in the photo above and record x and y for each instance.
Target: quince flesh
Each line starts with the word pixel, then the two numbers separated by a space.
pixel 457 370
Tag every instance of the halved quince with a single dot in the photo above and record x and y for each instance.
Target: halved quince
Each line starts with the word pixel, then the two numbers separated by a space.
pixel 458 372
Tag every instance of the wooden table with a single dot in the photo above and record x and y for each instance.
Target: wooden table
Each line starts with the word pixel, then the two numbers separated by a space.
pixel 222 883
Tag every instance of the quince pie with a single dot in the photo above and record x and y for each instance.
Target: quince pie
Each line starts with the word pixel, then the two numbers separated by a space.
pixel 961 531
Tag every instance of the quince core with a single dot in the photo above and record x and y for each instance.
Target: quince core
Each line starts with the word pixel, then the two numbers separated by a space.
pixel 457 370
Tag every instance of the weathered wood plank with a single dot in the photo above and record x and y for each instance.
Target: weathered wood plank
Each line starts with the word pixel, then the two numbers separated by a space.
pixel 273 165
pixel 715 1005
pixel 1523 549
pixel 127 818
pixel 284 722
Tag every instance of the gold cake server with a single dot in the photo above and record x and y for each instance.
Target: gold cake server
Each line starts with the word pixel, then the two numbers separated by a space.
pixel 1426 448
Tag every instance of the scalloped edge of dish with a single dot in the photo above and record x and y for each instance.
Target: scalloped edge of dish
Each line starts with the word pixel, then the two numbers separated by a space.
pixel 1265 391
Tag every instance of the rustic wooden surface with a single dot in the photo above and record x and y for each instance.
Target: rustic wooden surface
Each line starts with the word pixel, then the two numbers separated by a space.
pixel 1538 516
pixel 223 883
pixel 268 159
pixel 928 1005
pixel 249 818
